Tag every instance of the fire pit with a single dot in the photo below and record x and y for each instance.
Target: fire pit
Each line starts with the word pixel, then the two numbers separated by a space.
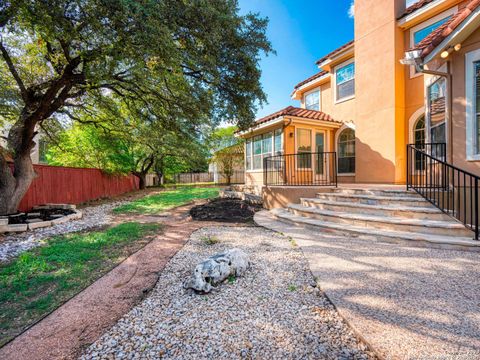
pixel 38 217
pixel 226 210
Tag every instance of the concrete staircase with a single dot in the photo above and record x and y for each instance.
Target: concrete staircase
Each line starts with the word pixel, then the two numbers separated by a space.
pixel 382 214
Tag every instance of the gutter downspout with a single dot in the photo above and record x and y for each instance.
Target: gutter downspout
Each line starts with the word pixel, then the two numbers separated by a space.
pixel 448 103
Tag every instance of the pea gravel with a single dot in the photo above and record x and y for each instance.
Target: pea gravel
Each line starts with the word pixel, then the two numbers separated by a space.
pixel 275 311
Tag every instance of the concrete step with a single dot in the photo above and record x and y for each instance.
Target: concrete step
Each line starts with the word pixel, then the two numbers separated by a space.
pixel 267 219
pixel 410 212
pixel 414 200
pixel 437 227
pixel 376 192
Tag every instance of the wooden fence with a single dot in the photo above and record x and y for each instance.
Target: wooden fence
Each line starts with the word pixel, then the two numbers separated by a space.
pixel 68 185
pixel 238 177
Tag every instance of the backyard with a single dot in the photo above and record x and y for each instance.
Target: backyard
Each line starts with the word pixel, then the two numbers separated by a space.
pixel 39 280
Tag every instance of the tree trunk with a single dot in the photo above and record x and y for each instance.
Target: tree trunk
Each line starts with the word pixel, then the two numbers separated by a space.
pixel 14 185
pixel 142 177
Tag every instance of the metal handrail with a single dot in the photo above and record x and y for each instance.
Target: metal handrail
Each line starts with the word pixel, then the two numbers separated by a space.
pixel 301 169
pixel 444 185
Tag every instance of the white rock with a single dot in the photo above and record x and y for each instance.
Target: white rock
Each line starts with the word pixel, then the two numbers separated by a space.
pixel 216 269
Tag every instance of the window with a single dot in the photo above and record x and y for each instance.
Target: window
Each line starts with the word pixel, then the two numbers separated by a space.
pixel 345 81
pixel 304 148
pixel 424 32
pixel 278 140
pixel 419 140
pixel 261 147
pixel 312 101
pixel 248 154
pixel 346 152
pixel 472 92
pixel 436 105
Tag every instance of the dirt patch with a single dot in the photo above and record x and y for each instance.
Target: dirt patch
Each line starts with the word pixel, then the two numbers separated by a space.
pixel 225 210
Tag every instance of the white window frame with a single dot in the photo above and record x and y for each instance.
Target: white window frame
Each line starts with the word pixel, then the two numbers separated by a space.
pixel 319 98
pixel 428 122
pixel 450 12
pixel 339 66
pixel 470 58
pixel 253 170
pixel 313 131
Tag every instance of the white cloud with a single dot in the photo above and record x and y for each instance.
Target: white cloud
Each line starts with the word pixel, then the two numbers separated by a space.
pixel 351 11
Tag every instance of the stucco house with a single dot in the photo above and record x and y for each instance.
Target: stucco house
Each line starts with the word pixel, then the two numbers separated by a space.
pixel 397 105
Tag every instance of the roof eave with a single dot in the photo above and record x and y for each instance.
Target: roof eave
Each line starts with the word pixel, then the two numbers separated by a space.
pixel 297 93
pixel 465 29
pixel 261 126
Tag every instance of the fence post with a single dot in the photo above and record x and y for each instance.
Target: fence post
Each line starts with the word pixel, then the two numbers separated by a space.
pixel 476 208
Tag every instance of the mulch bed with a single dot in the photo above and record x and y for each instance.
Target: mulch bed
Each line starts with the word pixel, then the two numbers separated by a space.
pixel 225 210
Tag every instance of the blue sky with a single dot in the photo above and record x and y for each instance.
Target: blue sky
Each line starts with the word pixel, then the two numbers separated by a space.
pixel 301 32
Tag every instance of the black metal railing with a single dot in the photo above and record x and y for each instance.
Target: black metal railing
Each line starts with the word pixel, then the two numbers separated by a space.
pixel 301 169
pixel 454 191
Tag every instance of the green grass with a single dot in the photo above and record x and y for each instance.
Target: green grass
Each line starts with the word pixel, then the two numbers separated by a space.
pixel 42 279
pixel 153 204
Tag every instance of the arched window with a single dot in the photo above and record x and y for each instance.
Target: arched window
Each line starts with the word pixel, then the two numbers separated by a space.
pixel 346 152
pixel 419 139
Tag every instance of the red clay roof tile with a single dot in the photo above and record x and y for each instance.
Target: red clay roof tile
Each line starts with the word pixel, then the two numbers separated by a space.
pixel 311 78
pixel 298 112
pixel 414 7
pixel 428 44
pixel 334 52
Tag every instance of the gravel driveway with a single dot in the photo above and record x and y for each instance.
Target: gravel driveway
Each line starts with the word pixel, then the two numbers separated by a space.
pixel 275 311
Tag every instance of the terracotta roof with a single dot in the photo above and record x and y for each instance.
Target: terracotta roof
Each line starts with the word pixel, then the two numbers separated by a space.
pixel 298 112
pixel 414 7
pixel 311 78
pixel 428 44
pixel 334 52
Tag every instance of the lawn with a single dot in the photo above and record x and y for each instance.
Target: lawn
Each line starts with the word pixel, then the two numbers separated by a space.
pixel 166 200
pixel 40 280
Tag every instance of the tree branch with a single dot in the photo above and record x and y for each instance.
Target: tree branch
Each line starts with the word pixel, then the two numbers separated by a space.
pixel 13 71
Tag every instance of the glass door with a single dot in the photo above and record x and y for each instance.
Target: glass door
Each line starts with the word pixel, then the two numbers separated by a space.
pixel 320 158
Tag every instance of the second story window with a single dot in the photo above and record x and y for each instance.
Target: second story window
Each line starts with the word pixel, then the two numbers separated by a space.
pixel 312 100
pixel 345 81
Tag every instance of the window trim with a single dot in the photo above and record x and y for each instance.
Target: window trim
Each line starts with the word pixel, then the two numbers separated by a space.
pixel 312 140
pixel 319 98
pixel 449 12
pixel 470 58
pixel 351 126
pixel 335 69
pixel 272 153
pixel 428 121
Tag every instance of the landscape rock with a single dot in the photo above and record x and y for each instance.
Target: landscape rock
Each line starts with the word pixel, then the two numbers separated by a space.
pixel 216 269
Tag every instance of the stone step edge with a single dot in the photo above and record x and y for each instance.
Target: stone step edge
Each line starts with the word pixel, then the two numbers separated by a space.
pixel 392 234
pixel 366 191
pixel 372 197
pixel 430 210
pixel 454 224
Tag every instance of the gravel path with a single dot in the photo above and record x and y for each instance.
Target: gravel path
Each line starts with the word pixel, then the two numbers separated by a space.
pixel 275 311
pixel 93 216
pixel 407 302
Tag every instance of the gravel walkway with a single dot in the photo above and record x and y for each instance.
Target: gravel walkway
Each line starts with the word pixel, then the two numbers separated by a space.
pixel 407 302
pixel 275 311
pixel 93 216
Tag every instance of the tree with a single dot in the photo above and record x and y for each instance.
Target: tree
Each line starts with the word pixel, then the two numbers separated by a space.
pixel 194 58
pixel 122 138
pixel 228 159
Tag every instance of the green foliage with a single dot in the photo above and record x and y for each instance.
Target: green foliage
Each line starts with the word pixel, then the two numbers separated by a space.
pixel 223 137
pixel 166 200
pixel 40 280
pixel 210 240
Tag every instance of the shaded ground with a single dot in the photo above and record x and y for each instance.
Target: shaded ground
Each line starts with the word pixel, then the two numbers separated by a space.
pixel 40 280
pixel 81 320
pixel 225 210
pixel 407 302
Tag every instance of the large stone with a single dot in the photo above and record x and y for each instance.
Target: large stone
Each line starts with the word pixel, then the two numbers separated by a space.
pixel 216 269
pixel 37 225
pixel 15 228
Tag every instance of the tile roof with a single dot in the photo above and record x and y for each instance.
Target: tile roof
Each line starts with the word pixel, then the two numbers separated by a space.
pixel 311 78
pixel 334 52
pixel 298 112
pixel 428 44
pixel 414 7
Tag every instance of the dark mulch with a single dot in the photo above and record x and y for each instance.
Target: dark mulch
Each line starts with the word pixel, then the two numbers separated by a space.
pixel 42 214
pixel 226 210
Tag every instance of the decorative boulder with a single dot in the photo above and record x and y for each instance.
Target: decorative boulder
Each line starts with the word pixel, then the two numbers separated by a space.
pixel 216 269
